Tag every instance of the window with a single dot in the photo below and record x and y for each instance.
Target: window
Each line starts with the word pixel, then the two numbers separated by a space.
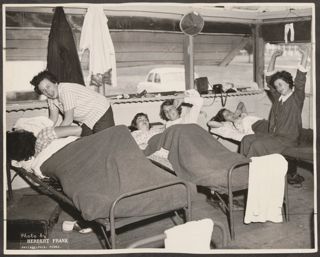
pixel 226 63
pixel 157 78
pixel 150 77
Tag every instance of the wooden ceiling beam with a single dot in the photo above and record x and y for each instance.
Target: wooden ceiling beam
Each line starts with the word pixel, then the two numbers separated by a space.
pixel 209 13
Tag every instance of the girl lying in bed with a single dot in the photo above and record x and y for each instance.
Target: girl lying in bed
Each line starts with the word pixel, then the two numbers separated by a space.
pixel 24 147
pixel 142 131
pixel 238 120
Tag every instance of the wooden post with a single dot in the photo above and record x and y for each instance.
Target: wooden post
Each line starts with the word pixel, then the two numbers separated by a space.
pixel 188 62
pixel 258 56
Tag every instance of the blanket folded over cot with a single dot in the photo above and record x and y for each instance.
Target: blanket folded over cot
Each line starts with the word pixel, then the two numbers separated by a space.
pixel 197 157
pixel 95 170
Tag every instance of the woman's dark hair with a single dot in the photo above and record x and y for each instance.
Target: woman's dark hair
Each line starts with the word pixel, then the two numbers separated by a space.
pixel 168 102
pixel 219 116
pixel 284 75
pixel 20 145
pixel 133 125
pixel 41 76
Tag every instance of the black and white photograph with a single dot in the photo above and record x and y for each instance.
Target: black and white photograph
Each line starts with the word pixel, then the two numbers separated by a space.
pixel 159 127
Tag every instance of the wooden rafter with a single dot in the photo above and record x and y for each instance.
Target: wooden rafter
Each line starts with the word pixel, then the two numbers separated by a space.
pixel 234 52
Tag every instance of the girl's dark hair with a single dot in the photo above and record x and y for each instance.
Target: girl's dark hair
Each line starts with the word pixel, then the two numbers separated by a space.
pixel 284 75
pixel 133 125
pixel 41 76
pixel 219 116
pixel 168 102
pixel 20 145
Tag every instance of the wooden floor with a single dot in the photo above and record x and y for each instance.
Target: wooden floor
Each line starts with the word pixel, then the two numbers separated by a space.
pixel 298 233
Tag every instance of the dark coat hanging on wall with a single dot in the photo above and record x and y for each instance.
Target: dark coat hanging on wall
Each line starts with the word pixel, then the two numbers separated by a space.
pixel 63 60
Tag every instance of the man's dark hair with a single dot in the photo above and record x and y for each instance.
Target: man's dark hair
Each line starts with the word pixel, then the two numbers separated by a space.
pixel 219 116
pixel 168 102
pixel 20 145
pixel 41 76
pixel 284 75
pixel 133 125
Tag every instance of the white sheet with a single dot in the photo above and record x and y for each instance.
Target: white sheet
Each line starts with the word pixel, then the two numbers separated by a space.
pixel 53 147
pixel 228 132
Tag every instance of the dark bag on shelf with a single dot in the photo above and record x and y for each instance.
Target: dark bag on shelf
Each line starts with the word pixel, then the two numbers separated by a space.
pixel 202 85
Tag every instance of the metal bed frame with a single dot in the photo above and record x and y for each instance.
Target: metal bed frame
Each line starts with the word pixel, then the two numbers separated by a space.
pixel 112 223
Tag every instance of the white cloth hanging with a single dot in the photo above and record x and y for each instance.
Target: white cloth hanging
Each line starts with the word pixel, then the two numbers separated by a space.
pixel 288 27
pixel 95 37
pixel 266 188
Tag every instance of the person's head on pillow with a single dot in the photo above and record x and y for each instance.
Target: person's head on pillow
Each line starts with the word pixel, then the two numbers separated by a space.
pixel 169 110
pixel 20 145
pixel 225 115
pixel 140 122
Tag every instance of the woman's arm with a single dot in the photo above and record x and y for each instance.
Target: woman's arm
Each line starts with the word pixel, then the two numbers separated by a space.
pixel 300 79
pixel 214 124
pixel 53 114
pixel 272 62
pixel 271 67
pixel 48 134
pixel 305 54
pixel 193 97
pixel 66 131
pixel 241 108
pixel 68 118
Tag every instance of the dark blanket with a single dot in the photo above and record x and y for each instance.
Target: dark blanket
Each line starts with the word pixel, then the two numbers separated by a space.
pixel 198 157
pixel 96 169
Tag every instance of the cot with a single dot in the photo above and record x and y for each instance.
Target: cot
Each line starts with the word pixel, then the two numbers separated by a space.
pixel 108 225
pixel 101 182
pixel 303 152
pixel 197 157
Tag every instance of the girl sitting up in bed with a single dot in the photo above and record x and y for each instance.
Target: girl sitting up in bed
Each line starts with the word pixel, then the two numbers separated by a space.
pixel 285 122
pixel 171 110
pixel 239 119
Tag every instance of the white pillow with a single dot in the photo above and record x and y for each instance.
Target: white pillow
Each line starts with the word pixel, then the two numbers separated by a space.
pixel 228 132
pixel 33 124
